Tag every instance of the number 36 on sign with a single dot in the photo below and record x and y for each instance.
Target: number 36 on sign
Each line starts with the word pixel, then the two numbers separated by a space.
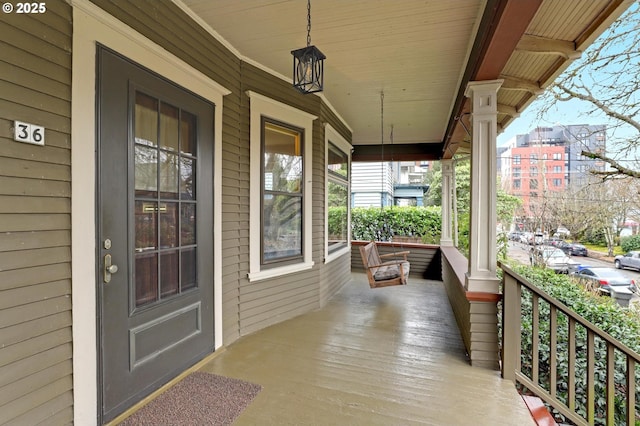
pixel 29 133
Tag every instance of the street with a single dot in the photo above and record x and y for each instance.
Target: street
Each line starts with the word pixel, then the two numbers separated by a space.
pixel 520 252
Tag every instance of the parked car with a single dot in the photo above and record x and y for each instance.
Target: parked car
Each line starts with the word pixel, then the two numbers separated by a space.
pixel 562 232
pixel 578 250
pixel 515 235
pixel 538 238
pixel 628 260
pixel 603 278
pixel 533 239
pixel 553 258
pixel 553 241
pixel 572 249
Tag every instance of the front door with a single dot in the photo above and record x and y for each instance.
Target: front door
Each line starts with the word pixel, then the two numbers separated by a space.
pixel 155 224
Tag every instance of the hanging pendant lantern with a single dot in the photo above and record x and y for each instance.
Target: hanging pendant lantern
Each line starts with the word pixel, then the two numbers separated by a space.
pixel 308 64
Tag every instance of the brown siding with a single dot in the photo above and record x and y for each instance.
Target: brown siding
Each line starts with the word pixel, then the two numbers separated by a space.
pixel 318 212
pixel 35 255
pixel 270 301
pixel 334 276
pixel 328 116
pixel 337 273
pixel 246 306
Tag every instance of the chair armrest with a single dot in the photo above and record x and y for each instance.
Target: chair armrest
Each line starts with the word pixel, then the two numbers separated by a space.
pixel 399 253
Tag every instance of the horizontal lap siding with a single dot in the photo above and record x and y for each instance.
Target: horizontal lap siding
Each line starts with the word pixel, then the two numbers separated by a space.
pixel 235 224
pixel 246 306
pixel 458 300
pixel 35 221
pixel 270 301
pixel 318 212
pixel 328 116
pixel 336 273
pixel 35 199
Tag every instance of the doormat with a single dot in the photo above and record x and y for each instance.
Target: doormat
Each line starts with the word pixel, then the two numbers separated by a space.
pixel 199 399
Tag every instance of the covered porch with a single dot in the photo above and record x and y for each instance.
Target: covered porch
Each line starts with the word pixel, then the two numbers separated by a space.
pixel 369 357
pixel 305 325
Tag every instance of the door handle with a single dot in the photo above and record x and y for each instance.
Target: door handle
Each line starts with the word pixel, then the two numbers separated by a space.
pixel 109 268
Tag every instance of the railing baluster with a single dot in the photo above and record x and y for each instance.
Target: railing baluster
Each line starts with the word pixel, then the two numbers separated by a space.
pixel 611 384
pixel 535 339
pixel 631 390
pixel 591 367
pixel 553 349
pixel 572 365
pixel 518 285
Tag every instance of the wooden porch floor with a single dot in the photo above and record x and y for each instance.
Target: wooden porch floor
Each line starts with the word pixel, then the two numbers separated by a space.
pixel 389 356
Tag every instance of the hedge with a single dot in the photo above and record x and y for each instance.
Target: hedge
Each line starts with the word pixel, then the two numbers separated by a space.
pixel 630 243
pixel 621 323
pixel 383 224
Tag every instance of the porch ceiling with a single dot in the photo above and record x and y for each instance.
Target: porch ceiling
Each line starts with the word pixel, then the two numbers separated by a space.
pixel 420 53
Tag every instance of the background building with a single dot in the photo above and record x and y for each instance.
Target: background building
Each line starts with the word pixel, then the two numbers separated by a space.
pixel 383 184
pixel 549 159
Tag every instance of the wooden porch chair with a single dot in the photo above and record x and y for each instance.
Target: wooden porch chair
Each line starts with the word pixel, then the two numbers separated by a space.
pixel 384 273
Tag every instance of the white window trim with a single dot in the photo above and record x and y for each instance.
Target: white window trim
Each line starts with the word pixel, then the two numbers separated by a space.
pixel 332 136
pixel 262 106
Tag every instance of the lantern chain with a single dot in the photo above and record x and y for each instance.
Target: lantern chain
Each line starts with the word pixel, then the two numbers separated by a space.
pixel 382 174
pixel 308 23
pixel 382 118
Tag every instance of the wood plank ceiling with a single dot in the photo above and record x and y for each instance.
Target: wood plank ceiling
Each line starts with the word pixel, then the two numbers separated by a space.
pixel 419 53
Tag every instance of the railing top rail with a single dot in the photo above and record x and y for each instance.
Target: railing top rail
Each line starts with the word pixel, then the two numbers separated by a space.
pixel 570 313
pixel 397 244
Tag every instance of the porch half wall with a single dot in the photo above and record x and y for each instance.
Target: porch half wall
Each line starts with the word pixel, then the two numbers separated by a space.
pixel 476 313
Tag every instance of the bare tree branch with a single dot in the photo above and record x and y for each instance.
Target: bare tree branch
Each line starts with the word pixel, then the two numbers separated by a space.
pixel 600 105
pixel 620 169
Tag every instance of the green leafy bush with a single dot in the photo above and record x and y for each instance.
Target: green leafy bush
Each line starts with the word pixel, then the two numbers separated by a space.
pixel 595 236
pixel 622 324
pixel 630 243
pixel 338 219
pixel 376 224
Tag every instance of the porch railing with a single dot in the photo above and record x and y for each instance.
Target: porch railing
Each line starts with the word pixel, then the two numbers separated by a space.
pixel 580 373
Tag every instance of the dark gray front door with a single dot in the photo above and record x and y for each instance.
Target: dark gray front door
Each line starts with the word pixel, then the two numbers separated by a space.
pixel 155 238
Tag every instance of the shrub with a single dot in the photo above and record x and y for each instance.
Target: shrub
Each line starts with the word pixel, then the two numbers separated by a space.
pixel 373 223
pixel 621 323
pixel 338 219
pixel 630 243
pixel 595 236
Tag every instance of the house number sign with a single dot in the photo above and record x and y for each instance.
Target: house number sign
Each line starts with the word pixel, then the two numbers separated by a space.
pixel 29 133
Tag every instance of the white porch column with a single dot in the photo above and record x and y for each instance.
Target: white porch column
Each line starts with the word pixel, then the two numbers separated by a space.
pixel 481 276
pixel 446 239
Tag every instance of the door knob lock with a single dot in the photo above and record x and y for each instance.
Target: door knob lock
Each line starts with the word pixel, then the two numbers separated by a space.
pixel 109 268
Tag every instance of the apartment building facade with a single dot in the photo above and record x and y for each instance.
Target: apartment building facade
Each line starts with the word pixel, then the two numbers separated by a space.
pixel 549 160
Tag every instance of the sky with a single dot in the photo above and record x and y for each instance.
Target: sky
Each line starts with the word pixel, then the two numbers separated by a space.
pixel 564 113
pixel 570 112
